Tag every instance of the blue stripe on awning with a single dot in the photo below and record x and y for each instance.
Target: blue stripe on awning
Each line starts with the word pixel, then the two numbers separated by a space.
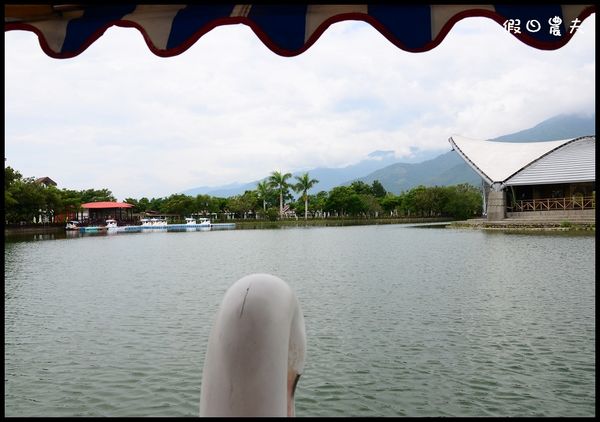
pixel 192 18
pixel 93 19
pixel 284 25
pixel 410 24
pixel 282 28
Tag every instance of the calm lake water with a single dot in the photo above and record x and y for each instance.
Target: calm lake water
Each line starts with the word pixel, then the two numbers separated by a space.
pixel 400 320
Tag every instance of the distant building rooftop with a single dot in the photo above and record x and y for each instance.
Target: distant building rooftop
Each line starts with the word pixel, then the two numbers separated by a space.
pixel 45 181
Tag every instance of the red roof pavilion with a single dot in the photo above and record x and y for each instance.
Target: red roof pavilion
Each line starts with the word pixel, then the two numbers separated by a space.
pixel 98 212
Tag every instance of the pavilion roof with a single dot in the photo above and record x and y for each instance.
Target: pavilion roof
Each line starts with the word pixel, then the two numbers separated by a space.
pixel 106 204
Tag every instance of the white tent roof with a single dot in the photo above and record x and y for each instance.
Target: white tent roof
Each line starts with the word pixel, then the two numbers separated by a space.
pixel 497 161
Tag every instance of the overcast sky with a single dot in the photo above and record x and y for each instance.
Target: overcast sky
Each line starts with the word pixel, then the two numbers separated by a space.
pixel 230 110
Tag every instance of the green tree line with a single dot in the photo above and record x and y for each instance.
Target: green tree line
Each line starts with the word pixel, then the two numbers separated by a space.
pixel 272 199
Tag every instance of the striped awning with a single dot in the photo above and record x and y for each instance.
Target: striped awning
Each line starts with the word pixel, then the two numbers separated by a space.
pixel 65 31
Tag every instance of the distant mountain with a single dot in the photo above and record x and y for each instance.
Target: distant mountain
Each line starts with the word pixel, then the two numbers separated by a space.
pixel 446 169
pixel 443 170
pixel 327 177
pixel 331 177
pixel 223 191
pixel 450 169
pixel 563 126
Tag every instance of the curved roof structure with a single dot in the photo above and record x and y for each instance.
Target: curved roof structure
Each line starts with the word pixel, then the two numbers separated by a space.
pixel 66 30
pixel 530 163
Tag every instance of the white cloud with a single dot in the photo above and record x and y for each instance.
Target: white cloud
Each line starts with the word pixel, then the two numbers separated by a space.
pixel 228 109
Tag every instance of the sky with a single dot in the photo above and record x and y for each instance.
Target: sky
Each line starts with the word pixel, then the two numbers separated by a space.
pixel 230 110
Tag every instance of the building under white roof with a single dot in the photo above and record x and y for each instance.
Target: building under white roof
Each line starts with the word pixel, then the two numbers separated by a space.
pixel 532 171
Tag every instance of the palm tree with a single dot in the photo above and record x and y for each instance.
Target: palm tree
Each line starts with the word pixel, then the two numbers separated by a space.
pixel 279 182
pixel 263 189
pixel 303 185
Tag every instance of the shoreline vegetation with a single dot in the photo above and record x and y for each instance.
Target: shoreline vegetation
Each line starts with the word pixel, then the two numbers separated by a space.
pixel 39 200
pixel 272 205
pixel 254 224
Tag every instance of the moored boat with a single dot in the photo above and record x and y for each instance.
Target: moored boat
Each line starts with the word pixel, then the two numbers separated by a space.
pixel 72 225
pixel 111 225
pixel 191 222
pixel 154 223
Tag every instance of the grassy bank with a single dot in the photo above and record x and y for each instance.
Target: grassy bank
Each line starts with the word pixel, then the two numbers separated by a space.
pixel 525 226
pixel 330 222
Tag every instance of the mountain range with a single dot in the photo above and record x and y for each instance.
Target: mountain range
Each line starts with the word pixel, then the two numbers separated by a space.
pixel 328 177
pixel 445 169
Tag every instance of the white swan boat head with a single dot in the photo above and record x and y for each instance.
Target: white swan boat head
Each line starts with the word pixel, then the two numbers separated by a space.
pixel 72 225
pixel 255 352
pixel 111 224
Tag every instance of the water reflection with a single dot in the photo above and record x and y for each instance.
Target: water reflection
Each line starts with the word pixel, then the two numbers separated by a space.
pixel 28 237
pixel 400 321
pixel 12 237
